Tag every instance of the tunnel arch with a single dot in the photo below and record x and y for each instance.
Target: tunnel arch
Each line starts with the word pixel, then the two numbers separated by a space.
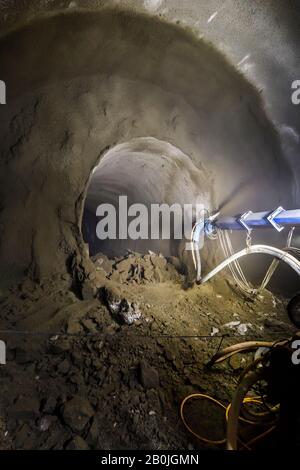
pixel 146 171
pixel 109 77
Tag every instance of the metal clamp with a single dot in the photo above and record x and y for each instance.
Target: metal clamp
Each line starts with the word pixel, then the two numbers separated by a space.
pixel 209 226
pixel 273 215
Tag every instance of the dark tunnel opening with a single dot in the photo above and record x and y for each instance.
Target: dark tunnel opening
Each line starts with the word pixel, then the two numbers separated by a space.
pixel 147 172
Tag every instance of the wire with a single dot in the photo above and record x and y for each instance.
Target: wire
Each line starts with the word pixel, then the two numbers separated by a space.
pixel 234 267
pixel 236 270
pixel 224 354
pixel 290 237
pixel 252 375
pixel 265 249
pixel 203 397
pixel 236 405
pixel 206 440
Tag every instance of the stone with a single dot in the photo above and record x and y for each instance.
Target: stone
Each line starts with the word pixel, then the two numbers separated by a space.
pixel 89 325
pixel 170 355
pixel 149 376
pixel 77 412
pixel 93 433
pixel 63 367
pixel 77 443
pixel 23 437
pixel 25 408
pixel 74 328
pixel 46 422
pixel 23 357
pixel 50 405
pixel 87 291
pixel 124 311
pixel 59 345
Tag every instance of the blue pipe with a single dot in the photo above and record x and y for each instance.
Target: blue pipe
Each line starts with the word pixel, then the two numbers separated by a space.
pixel 277 219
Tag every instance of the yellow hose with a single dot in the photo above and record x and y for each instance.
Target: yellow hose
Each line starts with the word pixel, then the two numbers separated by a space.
pixel 246 400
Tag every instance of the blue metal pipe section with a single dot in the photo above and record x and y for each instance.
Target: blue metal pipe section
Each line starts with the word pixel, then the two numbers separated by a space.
pixel 278 219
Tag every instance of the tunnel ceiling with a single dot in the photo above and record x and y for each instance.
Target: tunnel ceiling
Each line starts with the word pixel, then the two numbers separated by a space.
pixel 259 37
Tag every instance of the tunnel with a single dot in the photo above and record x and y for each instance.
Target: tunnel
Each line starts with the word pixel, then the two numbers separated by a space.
pixel 120 101
pixel 147 171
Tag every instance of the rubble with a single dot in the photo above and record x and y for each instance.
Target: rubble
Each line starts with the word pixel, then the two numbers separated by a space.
pixel 140 269
pixel 64 367
pixel 46 422
pixel 214 331
pixel 128 313
pixel 50 405
pixel 77 412
pixel 121 309
pixel 104 378
pixel 149 376
pixel 103 264
pixel 88 292
pixel 25 408
pixel 77 443
pixel 241 328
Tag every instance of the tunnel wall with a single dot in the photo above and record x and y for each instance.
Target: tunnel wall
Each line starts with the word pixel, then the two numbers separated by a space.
pixel 79 84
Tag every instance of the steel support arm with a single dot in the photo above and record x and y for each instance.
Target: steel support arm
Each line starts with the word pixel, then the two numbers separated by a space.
pixel 278 219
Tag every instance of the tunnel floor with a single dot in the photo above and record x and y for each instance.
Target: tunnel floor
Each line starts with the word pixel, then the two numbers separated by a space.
pixel 110 370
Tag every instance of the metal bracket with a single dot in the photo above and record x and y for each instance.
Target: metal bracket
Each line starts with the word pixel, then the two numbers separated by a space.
pixel 242 221
pixel 273 215
pixel 209 227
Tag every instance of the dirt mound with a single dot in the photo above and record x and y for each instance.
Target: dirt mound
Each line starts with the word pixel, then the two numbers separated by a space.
pixel 139 269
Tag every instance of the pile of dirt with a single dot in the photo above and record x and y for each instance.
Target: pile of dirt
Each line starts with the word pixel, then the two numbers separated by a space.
pixel 79 375
pixel 140 269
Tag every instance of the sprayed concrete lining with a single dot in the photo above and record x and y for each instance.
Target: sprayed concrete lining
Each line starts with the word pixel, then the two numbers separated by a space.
pixel 82 83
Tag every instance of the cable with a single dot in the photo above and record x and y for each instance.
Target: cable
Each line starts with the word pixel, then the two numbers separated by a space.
pixel 236 404
pixel 246 400
pixel 237 410
pixel 204 397
pixel 224 354
pixel 290 237
pixel 275 252
pixel 236 269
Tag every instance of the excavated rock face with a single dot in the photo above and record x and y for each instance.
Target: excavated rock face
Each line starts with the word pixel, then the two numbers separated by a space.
pixel 80 84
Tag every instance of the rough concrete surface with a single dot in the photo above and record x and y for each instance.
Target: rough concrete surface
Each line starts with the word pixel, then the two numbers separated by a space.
pixel 67 107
